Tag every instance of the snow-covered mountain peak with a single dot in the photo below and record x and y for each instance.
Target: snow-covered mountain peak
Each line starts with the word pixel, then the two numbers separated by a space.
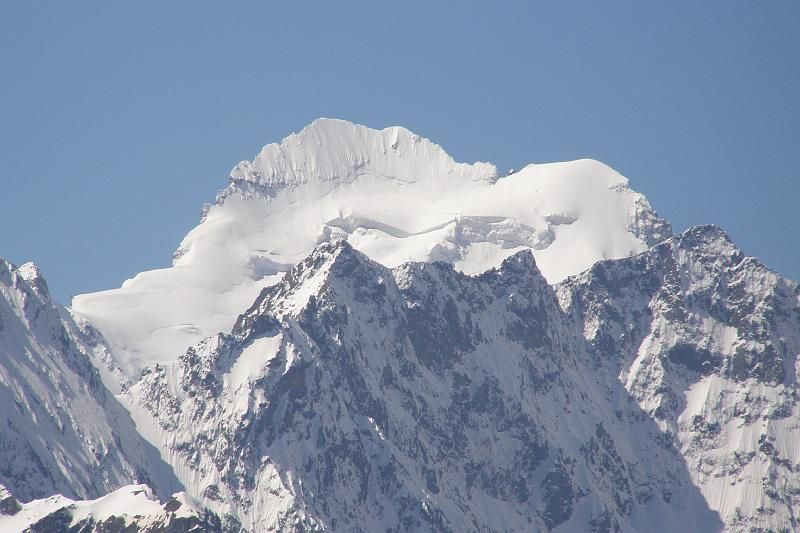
pixel 656 389
pixel 709 239
pixel 327 263
pixel 337 150
pixel 391 194
pixel 30 272
pixel 521 263
pixel 25 293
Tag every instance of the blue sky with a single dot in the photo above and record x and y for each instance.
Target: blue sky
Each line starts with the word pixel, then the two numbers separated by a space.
pixel 118 120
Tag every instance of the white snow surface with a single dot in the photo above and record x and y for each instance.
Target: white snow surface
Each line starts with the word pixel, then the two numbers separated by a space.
pixel 130 503
pixel 392 194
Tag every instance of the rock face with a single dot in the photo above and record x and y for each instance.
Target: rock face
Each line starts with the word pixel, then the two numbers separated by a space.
pixel 352 397
pixel 707 341
pixel 62 431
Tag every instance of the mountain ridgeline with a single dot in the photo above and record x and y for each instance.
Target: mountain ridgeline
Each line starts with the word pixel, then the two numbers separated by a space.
pixel 543 362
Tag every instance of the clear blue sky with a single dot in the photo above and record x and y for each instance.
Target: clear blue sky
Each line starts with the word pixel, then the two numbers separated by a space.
pixel 119 119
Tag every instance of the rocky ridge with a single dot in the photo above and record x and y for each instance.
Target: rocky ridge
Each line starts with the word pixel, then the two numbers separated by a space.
pixel 352 397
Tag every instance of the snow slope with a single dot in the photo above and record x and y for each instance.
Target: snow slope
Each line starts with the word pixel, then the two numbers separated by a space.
pixel 393 195
pixel 132 509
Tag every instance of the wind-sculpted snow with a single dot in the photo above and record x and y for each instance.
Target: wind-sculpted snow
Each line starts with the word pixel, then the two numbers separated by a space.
pixel 352 397
pixel 707 341
pixel 393 195
pixel 60 429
